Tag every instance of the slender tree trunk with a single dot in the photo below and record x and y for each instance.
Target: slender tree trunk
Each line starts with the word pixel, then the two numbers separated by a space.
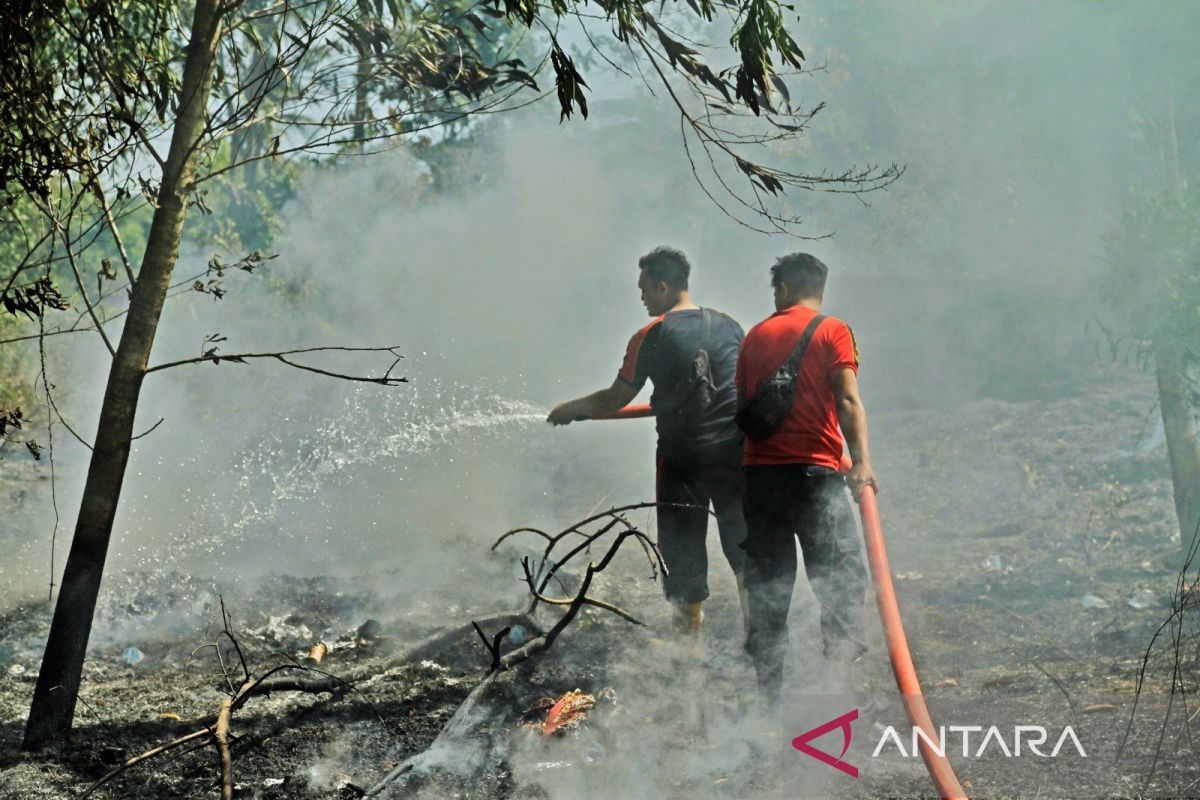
pixel 54 698
pixel 1182 449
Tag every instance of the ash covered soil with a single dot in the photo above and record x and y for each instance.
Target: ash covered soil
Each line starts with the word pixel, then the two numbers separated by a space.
pixel 1031 546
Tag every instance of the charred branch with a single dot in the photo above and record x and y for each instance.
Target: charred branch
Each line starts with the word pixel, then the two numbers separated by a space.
pixel 548 568
pixel 567 601
pixel 436 642
pixel 465 719
pixel 460 725
pixel 492 645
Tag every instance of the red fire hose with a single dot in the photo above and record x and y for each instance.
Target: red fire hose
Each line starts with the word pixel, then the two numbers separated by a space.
pixel 897 644
pixel 893 630
pixel 633 411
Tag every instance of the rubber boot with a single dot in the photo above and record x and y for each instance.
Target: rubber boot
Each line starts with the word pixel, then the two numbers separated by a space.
pixel 689 620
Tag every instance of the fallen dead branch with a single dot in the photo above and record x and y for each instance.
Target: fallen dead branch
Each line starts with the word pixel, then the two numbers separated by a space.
pixel 467 719
pixel 146 756
pixel 221 739
pixel 273 680
pixel 566 601
pixel 218 732
pixel 461 724
pixel 437 641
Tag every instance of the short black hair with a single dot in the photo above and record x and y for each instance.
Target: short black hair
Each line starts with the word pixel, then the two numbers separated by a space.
pixel 803 273
pixel 666 264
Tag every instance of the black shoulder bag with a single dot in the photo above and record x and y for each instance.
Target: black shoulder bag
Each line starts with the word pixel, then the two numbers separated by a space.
pixel 765 411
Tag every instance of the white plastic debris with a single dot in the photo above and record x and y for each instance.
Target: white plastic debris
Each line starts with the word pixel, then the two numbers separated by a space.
pixel 992 564
pixel 1142 599
pixel 1091 601
pixel 269 782
pixel 16 669
pixel 132 656
pixel 282 630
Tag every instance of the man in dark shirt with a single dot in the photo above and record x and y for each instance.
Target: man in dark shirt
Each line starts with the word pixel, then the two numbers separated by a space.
pixel 794 489
pixel 699 450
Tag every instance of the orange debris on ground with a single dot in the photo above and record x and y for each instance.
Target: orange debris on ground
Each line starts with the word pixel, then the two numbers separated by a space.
pixel 566 712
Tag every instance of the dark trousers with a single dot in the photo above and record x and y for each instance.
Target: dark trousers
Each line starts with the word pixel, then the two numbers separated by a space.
pixel 696 479
pixel 784 503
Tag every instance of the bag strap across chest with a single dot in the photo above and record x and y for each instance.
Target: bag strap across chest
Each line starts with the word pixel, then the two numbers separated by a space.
pixel 793 362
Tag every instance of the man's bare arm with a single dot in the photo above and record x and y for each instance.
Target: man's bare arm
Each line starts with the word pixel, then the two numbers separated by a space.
pixel 852 416
pixel 595 404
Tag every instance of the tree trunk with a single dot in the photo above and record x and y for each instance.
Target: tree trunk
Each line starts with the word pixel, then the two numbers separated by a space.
pixel 1182 448
pixel 54 698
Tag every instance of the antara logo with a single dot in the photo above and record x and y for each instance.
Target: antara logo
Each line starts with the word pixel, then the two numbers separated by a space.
pixel 801 742
pixel 1033 737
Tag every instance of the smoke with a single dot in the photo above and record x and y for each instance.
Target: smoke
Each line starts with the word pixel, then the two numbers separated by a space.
pixel 971 278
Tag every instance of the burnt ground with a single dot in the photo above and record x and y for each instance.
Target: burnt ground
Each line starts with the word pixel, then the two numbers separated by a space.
pixel 1019 534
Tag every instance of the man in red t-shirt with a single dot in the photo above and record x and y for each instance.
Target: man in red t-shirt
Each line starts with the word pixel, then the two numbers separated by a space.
pixel 793 486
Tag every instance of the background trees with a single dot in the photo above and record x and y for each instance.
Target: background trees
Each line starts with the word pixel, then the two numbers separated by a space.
pixel 1154 288
pixel 1152 254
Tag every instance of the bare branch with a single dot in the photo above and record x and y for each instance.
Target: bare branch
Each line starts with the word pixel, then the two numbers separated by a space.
pixel 149 431
pixel 98 190
pixel 54 406
pixel 135 760
pixel 614 514
pixel 88 303
pixel 239 358
pixel 566 601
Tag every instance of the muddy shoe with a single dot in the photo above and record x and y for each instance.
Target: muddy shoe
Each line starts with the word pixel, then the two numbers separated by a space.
pixel 688 621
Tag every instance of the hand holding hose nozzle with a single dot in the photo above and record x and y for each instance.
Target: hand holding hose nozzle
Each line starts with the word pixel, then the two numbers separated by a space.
pixel 564 414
